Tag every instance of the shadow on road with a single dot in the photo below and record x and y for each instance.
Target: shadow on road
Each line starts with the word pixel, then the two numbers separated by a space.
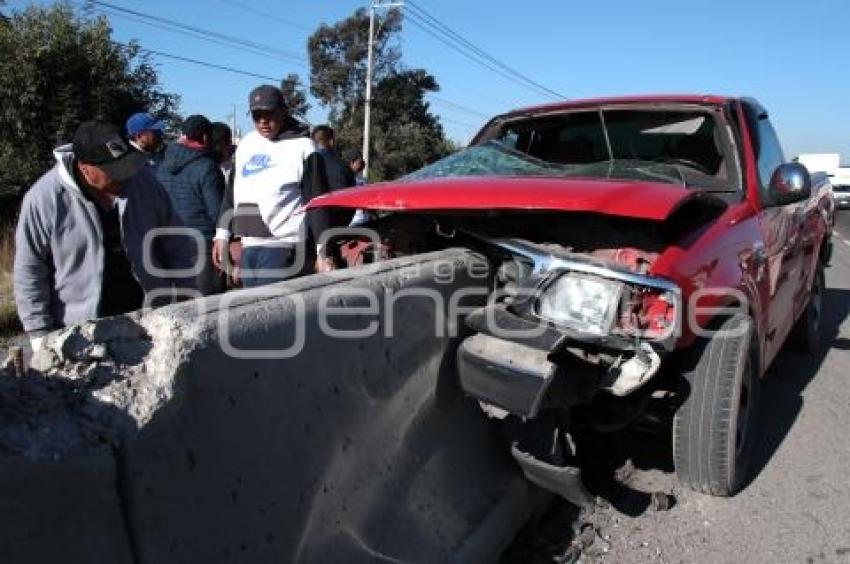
pixel 642 462
pixel 791 372
pixel 624 468
pixel 842 344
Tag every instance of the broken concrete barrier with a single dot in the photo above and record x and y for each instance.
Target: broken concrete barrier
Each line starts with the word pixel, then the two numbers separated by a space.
pixel 350 449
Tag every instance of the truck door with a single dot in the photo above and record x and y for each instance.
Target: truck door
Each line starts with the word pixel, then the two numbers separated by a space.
pixel 781 227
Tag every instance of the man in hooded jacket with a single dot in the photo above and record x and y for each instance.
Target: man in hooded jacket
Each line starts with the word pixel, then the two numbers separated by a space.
pixel 276 171
pixel 81 236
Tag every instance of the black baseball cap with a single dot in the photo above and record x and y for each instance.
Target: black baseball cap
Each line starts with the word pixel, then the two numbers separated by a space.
pixel 352 155
pixel 195 126
pixel 266 97
pixel 101 144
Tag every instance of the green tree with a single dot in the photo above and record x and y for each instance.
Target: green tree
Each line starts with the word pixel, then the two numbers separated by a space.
pixel 338 55
pixel 405 134
pixel 56 71
pixel 294 95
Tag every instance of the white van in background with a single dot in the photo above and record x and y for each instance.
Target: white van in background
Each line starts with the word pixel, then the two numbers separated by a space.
pixel 839 176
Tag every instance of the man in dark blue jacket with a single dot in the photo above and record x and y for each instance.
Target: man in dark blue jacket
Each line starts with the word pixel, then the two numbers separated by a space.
pixel 195 184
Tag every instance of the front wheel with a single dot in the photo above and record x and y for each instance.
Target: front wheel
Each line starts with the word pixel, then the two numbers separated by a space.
pixel 714 428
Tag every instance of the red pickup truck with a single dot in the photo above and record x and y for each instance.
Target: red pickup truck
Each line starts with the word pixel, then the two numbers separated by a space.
pixel 646 250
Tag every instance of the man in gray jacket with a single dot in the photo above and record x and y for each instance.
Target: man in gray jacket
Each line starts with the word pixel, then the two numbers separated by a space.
pixel 79 243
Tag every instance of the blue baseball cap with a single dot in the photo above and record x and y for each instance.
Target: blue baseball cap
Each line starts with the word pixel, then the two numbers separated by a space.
pixel 142 122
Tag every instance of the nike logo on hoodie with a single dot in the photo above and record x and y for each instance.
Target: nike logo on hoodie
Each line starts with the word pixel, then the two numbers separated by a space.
pixel 257 164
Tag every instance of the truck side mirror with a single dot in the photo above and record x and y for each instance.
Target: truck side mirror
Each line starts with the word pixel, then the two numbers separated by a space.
pixel 790 183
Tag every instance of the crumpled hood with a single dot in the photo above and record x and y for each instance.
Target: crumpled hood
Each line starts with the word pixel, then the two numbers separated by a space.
pixel 178 156
pixel 626 198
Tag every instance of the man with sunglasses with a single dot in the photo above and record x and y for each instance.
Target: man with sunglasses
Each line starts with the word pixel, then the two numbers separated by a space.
pixel 276 171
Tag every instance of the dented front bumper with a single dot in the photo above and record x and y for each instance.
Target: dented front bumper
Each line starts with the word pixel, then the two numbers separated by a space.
pixel 520 366
pixel 510 376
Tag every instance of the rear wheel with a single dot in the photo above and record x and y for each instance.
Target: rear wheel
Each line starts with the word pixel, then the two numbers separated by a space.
pixel 806 334
pixel 714 428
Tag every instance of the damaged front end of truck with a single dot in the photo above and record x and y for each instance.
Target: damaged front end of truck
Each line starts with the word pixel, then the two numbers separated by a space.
pixel 576 327
pixel 560 330
pixel 578 212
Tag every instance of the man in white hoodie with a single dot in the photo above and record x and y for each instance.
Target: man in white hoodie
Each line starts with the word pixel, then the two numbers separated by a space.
pixel 276 171
pixel 79 243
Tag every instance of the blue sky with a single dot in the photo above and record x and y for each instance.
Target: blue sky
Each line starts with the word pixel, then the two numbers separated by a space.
pixel 791 55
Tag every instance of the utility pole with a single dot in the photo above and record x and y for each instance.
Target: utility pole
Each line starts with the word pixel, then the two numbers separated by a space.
pixel 367 126
pixel 234 129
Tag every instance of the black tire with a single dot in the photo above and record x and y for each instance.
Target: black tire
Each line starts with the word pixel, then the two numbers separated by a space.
pixel 714 428
pixel 806 334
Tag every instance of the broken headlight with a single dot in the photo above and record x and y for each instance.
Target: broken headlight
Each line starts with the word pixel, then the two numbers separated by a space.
pixel 584 303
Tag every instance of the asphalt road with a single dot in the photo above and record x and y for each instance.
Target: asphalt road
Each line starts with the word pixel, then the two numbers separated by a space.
pixel 796 509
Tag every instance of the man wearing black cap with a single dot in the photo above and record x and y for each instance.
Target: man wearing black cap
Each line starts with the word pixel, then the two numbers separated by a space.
pixel 195 184
pixel 79 243
pixel 276 171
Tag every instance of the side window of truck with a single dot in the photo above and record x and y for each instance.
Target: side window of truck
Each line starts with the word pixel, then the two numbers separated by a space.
pixel 767 148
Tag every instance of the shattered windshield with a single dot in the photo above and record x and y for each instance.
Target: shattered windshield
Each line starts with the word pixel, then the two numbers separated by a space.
pixel 685 147
pixel 493 158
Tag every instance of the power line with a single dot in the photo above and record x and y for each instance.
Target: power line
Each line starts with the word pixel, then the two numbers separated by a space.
pixel 460 123
pixel 213 66
pixel 136 19
pixel 430 30
pixel 173 30
pixel 461 41
pixel 273 79
pixel 215 36
pixel 227 41
pixel 459 38
pixel 479 95
pixel 458 107
pixel 249 8
pixel 204 63
pixel 204 33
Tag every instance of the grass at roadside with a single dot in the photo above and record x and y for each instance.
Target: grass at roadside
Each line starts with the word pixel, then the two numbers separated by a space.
pixel 9 323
